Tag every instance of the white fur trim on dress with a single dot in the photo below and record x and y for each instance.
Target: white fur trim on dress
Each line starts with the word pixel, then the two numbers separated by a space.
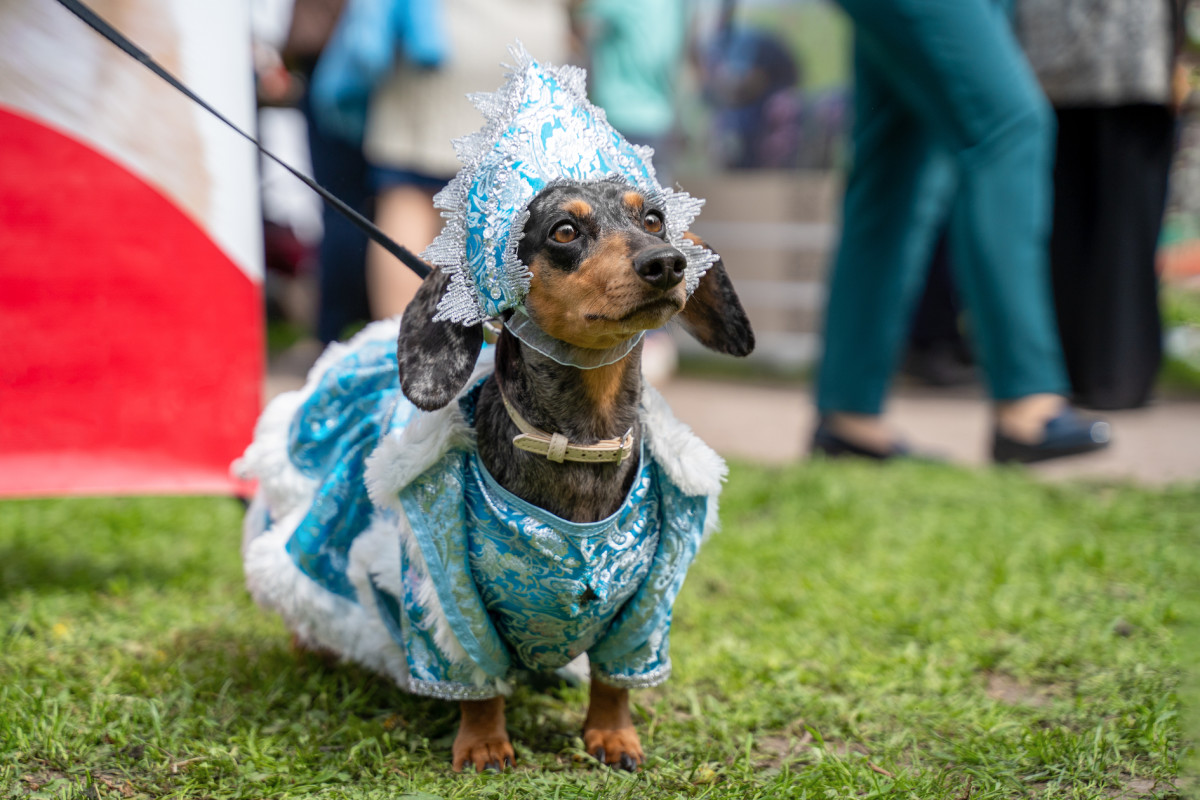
pixel 691 464
pixel 399 459
pixel 319 618
pixel 281 486
pixel 403 455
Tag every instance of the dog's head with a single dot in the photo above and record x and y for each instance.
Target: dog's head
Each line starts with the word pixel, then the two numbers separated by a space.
pixel 602 273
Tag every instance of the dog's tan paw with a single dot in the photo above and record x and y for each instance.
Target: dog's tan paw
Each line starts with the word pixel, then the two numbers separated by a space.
pixel 485 752
pixel 617 748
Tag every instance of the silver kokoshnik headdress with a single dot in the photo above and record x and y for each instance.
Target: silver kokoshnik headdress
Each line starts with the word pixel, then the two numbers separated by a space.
pixel 540 129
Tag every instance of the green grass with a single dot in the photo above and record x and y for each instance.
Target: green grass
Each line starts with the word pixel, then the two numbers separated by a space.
pixel 1180 306
pixel 1180 309
pixel 917 632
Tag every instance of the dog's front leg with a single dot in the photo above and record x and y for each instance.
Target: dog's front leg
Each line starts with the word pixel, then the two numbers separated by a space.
pixel 608 732
pixel 482 739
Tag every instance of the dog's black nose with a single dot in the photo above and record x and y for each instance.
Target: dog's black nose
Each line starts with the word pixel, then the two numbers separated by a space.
pixel 661 267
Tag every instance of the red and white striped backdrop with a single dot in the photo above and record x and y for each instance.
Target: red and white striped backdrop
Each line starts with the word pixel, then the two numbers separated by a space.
pixel 131 333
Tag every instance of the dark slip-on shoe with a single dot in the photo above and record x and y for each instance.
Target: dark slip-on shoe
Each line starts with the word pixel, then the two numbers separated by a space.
pixel 830 445
pixel 1068 434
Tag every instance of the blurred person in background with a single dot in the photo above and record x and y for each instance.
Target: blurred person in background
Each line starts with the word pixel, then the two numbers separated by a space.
pixel 339 166
pixel 400 76
pixel 949 123
pixel 938 353
pixel 751 81
pixel 634 52
pixel 1107 68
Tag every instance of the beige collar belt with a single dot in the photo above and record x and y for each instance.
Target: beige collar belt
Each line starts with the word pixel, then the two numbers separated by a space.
pixel 556 447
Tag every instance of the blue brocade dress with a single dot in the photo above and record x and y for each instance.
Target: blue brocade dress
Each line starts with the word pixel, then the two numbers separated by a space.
pixel 379 535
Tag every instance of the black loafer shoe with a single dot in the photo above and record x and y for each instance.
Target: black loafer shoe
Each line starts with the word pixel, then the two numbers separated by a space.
pixel 1068 434
pixel 827 443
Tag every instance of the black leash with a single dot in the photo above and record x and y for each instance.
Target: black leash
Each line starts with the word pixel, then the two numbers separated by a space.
pixel 369 228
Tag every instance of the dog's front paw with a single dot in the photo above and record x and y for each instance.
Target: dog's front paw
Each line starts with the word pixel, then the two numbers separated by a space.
pixel 485 752
pixel 618 747
pixel 482 739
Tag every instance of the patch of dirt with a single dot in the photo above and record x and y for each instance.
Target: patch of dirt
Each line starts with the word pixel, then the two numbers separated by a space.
pixel 1008 690
pixel 777 749
pixel 116 783
pixel 780 748
pixel 1130 789
pixel 111 781
pixel 1142 787
pixel 36 780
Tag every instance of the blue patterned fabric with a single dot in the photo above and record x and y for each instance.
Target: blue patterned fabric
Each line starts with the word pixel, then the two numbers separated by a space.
pixel 330 438
pixel 518 586
pixel 523 588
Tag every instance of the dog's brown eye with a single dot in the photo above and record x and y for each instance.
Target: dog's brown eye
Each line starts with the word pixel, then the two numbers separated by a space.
pixel 653 222
pixel 565 233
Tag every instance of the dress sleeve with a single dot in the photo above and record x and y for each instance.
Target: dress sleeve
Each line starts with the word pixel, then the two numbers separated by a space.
pixel 634 653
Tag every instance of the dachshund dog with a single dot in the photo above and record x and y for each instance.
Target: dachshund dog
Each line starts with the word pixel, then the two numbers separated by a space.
pixel 602 274
pixel 566 430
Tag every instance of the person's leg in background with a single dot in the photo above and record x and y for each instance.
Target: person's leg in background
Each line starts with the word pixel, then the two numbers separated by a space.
pixel 899 185
pixel 999 232
pixel 1110 183
pixel 1076 190
pixel 938 355
pixel 404 210
pixel 341 277
pixel 957 67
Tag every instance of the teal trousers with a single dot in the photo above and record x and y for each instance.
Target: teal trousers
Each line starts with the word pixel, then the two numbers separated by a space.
pixel 950 128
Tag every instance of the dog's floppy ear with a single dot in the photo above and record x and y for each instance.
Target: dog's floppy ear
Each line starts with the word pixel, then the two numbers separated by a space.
pixel 714 315
pixel 436 358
